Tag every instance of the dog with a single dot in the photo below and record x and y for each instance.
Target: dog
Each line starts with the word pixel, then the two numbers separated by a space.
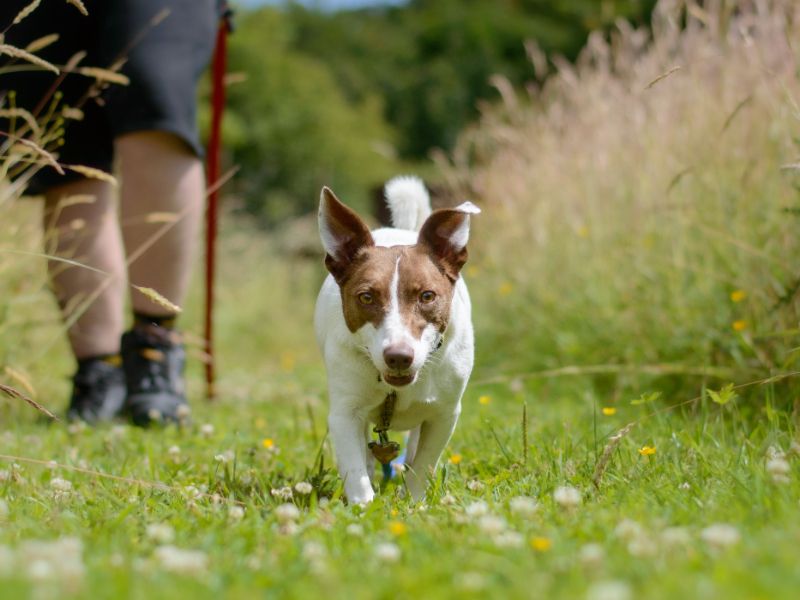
pixel 393 322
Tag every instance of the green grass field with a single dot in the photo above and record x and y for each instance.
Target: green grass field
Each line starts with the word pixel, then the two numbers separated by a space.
pixel 630 430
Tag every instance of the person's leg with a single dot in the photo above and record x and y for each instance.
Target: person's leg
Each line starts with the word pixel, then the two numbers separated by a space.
pixel 161 207
pixel 80 225
pixel 162 199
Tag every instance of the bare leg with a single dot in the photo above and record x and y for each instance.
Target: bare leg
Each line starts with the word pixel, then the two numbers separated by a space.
pixel 161 206
pixel 80 223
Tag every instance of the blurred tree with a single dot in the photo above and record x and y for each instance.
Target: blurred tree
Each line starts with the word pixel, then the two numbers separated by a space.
pixel 339 98
pixel 291 129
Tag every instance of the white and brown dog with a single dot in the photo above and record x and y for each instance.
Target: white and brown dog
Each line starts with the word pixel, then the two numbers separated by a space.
pixel 393 321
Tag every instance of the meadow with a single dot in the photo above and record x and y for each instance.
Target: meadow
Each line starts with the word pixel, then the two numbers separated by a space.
pixel 631 426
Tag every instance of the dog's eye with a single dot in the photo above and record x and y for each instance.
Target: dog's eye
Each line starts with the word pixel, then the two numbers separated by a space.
pixel 427 297
pixel 365 298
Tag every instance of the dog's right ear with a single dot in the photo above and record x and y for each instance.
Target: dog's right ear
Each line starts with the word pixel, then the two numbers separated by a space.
pixel 343 233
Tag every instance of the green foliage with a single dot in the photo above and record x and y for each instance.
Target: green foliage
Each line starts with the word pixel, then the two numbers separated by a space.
pixel 342 98
pixel 723 396
pixel 291 129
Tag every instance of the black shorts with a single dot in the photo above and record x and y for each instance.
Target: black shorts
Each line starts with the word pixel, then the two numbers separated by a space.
pixel 163 62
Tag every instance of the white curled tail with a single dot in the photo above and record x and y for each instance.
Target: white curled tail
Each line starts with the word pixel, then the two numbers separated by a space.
pixel 408 201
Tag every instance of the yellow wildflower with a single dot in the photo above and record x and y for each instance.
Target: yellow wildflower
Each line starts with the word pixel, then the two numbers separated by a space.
pixel 397 528
pixel 647 450
pixel 455 459
pixel 609 411
pixel 505 288
pixel 738 295
pixel 739 325
pixel 541 544
pixel 583 231
pixel 485 400
pixel 268 443
pixel 393 512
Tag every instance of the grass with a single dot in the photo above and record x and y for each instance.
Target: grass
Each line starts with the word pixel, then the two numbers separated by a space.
pixel 654 215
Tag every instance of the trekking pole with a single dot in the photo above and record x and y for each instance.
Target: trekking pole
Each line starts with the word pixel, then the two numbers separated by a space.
pixel 212 176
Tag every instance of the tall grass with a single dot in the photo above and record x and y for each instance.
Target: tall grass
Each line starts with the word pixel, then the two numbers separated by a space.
pixel 642 206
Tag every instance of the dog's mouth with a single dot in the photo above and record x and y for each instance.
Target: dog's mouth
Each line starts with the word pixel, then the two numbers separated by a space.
pixel 399 379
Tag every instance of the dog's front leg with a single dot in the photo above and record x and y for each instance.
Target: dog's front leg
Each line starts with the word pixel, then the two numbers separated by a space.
pixel 433 437
pixel 347 433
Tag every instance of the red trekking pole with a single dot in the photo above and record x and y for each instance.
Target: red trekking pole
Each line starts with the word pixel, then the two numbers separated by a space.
pixel 212 182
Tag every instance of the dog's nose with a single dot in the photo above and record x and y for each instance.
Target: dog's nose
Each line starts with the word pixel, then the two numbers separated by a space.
pixel 399 356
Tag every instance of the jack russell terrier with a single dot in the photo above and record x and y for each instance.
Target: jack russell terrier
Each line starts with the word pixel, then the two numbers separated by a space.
pixel 393 321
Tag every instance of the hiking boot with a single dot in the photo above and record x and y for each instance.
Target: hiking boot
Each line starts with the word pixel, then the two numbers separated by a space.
pixel 153 359
pixel 98 390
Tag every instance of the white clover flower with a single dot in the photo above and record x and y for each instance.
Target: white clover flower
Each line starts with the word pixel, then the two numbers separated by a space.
pixel 609 590
pixel 161 533
pixel 180 561
pixel 676 536
pixel 720 535
pixel 448 499
pixel 642 546
pixel 508 539
pixel 685 486
pixel 5 475
pixel 174 451
pixel 779 469
pixel 524 506
pixel 58 560
pixel 471 581
pixel 313 551
pixel 491 524
pixel 60 485
pixel 399 467
pixel 474 485
pixel 774 452
pixel 284 493
pixel 355 529
pixel 225 457
pixel 567 496
pixel 191 493
pixel 207 430
pixel 183 412
pixel 52 465
pixel 628 529
pixel 236 513
pixel 476 509
pixel 6 561
pixel 303 487
pixel 286 513
pixel 387 552
pixel 592 555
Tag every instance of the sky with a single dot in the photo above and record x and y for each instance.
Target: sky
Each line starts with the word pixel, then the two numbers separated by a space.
pixel 327 5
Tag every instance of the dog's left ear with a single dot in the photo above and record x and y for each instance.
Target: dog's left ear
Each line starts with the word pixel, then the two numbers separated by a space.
pixel 343 233
pixel 445 235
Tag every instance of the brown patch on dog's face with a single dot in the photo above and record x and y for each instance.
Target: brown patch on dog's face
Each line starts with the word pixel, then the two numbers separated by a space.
pixel 424 292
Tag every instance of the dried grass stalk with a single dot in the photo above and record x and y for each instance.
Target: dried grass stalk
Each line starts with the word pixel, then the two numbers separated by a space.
pixel 25 55
pixel 104 75
pixel 51 160
pixel 80 6
pixel 93 173
pixel 14 393
pixel 26 11
pixel 21 113
pixel 42 42
pixel 22 379
pixel 158 298
pixel 613 443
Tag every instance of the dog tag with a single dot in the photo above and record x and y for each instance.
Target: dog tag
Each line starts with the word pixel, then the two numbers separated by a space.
pixel 385 452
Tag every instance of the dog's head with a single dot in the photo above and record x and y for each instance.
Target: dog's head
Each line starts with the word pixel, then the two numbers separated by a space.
pixel 396 299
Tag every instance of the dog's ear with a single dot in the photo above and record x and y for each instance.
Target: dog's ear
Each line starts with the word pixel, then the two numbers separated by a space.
pixel 445 235
pixel 343 233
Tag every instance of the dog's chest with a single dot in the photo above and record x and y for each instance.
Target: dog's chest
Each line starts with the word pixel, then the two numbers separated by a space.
pixel 410 407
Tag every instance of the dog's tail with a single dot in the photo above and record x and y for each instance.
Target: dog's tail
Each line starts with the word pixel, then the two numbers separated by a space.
pixel 408 201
